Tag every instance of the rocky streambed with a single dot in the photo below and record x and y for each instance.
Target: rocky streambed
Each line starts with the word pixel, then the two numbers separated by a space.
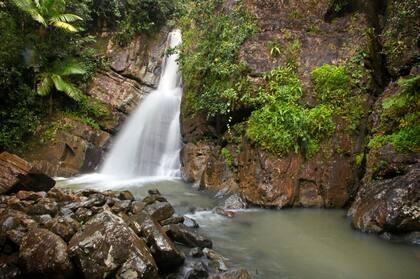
pixel 86 233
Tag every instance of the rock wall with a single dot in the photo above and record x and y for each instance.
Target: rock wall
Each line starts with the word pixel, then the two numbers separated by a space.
pixel 73 147
pixel 329 179
pixel 381 184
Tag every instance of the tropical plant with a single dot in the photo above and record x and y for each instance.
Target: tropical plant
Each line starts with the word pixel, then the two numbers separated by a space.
pixel 49 13
pixel 55 78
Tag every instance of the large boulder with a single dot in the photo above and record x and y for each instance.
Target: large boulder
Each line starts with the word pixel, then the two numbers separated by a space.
pixel 160 211
pixel 16 174
pixel 163 250
pixel 106 245
pixel 389 205
pixel 180 233
pixel 71 147
pixel 45 253
pixel 11 166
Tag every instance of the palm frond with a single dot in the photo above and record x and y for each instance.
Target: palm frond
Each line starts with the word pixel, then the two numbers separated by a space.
pixel 30 7
pixel 66 87
pixel 66 18
pixel 44 85
pixel 69 67
pixel 64 25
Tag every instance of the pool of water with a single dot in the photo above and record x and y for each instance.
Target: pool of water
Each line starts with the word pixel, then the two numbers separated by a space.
pixel 273 244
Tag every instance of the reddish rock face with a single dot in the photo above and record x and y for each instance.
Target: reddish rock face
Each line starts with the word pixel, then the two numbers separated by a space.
pixel 11 166
pixel 194 158
pixel 330 178
pixel 75 146
pixel 16 174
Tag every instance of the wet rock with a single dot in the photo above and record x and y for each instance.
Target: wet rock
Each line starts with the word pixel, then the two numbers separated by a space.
pixel 16 174
pixel 234 274
pixel 197 270
pixel 216 260
pixel 186 236
pixel 43 219
pixel 173 220
pixel 137 206
pixel 390 205
pixel 33 181
pixel 15 225
pixel 65 227
pixel 194 158
pixel 160 210
pixel 9 267
pixel 31 196
pixel 154 198
pixel 94 200
pixel 83 214
pixel 190 223
pixel 63 195
pixel 164 251
pixel 121 206
pixel 154 192
pixel 45 253
pixel 410 238
pixel 72 148
pixel 44 206
pixel 106 245
pixel 196 252
pixel 126 195
pixel 235 202
pixel 226 213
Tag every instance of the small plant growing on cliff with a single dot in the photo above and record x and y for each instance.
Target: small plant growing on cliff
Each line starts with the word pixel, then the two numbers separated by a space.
pixel 274 48
pixel 284 125
pixel 333 86
pixel 400 118
pixel 227 156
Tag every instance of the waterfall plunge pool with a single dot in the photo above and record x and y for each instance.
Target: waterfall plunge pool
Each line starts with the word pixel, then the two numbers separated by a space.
pixel 276 244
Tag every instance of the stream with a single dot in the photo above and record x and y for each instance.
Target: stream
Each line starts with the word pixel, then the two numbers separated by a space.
pixel 274 244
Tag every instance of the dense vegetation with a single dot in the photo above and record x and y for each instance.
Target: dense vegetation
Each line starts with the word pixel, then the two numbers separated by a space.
pixel 47 48
pixel 213 76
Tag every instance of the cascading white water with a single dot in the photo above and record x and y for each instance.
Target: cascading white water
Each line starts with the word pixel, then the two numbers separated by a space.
pixel 150 142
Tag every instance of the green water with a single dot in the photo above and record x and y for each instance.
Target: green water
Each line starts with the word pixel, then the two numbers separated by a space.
pixel 295 243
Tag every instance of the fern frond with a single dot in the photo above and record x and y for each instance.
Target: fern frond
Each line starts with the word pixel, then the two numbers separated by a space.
pixel 66 87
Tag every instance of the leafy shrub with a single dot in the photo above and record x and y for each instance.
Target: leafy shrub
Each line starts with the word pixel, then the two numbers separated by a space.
pixel 283 124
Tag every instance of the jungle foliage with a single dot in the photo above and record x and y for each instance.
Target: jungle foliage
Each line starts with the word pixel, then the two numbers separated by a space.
pixel 48 47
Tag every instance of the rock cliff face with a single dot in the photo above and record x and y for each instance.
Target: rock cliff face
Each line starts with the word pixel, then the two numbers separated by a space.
pixel 388 179
pixel 73 147
pixel 328 180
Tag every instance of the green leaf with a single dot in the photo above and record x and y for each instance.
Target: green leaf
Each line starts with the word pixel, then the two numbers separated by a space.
pixel 44 85
pixel 66 87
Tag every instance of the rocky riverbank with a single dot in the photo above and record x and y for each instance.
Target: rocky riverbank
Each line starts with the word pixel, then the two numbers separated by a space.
pixel 69 234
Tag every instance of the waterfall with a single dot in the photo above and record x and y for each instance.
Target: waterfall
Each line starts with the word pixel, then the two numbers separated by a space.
pixel 150 141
